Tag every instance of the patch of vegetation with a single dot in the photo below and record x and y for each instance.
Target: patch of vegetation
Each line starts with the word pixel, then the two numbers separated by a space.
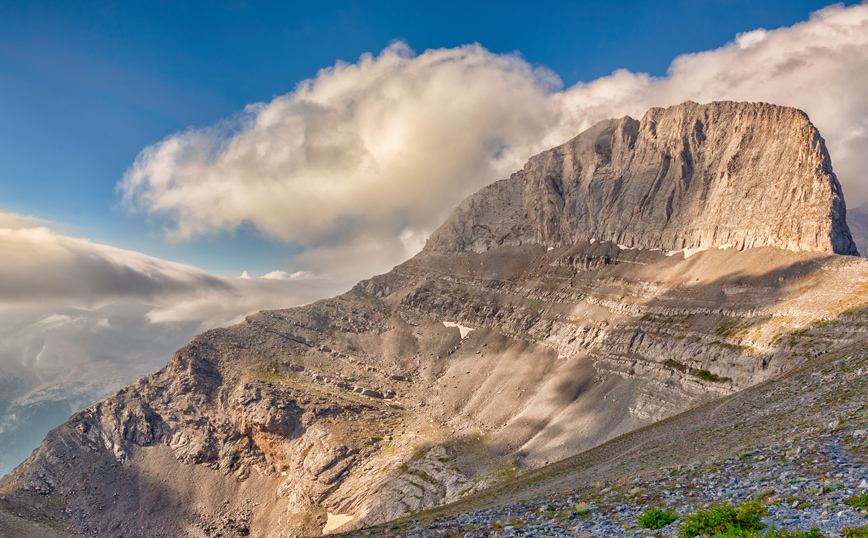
pixel 654 518
pixel 858 501
pixel 675 365
pixel 834 485
pixel 730 326
pixel 724 520
pixel 733 532
pixel 705 375
pixel 8 485
pixel 763 493
pixel 783 533
pixel 861 532
pixel 733 347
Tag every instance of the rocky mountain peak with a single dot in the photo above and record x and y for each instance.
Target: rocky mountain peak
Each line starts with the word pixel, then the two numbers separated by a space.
pixel 684 177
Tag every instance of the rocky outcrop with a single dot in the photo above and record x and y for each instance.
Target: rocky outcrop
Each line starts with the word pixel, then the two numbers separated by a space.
pixel 690 176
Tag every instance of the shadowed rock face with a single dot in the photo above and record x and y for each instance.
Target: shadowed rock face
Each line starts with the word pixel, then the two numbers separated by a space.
pixel 857 220
pixel 511 341
pixel 690 176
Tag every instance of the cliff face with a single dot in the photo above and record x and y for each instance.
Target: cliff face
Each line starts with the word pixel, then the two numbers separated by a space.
pixel 690 176
pixel 509 342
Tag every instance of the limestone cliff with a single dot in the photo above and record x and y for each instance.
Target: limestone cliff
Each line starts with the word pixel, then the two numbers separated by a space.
pixel 689 176
pixel 528 330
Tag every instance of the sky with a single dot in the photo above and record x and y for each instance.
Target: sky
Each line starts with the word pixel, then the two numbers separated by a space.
pixel 179 145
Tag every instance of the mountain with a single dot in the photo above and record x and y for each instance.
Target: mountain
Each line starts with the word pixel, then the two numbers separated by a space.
pixel 857 220
pixel 686 177
pixel 631 274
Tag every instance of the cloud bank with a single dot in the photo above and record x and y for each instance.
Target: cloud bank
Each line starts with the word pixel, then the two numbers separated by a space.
pixel 40 268
pixel 361 161
pixel 79 320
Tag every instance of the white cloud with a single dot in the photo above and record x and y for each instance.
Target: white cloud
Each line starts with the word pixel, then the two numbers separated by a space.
pixel 283 275
pixel 377 145
pixel 44 269
pixel 365 159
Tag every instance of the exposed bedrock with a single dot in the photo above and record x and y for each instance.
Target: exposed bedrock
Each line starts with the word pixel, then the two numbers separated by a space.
pixel 553 311
pixel 689 176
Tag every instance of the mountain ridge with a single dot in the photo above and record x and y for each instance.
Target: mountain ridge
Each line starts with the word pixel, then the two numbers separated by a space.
pixel 481 357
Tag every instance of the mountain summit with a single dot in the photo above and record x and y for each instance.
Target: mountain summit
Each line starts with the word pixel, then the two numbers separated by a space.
pixel 551 313
pixel 685 177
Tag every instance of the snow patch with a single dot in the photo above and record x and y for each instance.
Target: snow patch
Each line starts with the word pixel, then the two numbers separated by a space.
pixel 461 328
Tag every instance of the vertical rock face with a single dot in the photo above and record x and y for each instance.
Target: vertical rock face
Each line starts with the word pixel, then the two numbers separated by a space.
pixel 689 176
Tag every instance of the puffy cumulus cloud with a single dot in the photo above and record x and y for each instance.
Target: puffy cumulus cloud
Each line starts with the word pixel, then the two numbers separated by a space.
pixel 376 146
pixel 363 161
pixel 40 268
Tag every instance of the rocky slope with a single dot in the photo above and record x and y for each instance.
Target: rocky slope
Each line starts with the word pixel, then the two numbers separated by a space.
pixel 534 325
pixel 798 445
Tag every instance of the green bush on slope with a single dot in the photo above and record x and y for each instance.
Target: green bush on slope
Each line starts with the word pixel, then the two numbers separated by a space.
pixel 654 518
pixel 722 519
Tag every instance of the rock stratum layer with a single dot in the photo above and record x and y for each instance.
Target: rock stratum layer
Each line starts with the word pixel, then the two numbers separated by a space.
pixel 508 343
pixel 690 176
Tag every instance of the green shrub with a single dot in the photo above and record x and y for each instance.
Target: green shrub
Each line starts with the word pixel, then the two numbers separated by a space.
pixel 724 519
pixel 705 375
pixel 656 519
pixel 582 508
pixel 734 532
pixel 672 363
pixel 774 533
pixel 858 501
pixel 861 532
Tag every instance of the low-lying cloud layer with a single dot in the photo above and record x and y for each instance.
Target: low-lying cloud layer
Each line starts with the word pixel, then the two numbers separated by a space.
pixel 40 268
pixel 79 320
pixel 367 154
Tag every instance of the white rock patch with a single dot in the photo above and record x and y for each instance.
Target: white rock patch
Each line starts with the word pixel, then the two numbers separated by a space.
pixel 688 252
pixel 335 521
pixel 461 328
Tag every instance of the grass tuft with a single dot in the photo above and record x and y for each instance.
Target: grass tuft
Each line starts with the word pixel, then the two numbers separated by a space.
pixel 724 520
pixel 858 501
pixel 654 518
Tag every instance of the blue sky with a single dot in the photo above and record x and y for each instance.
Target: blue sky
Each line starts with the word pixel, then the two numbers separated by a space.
pixel 85 87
